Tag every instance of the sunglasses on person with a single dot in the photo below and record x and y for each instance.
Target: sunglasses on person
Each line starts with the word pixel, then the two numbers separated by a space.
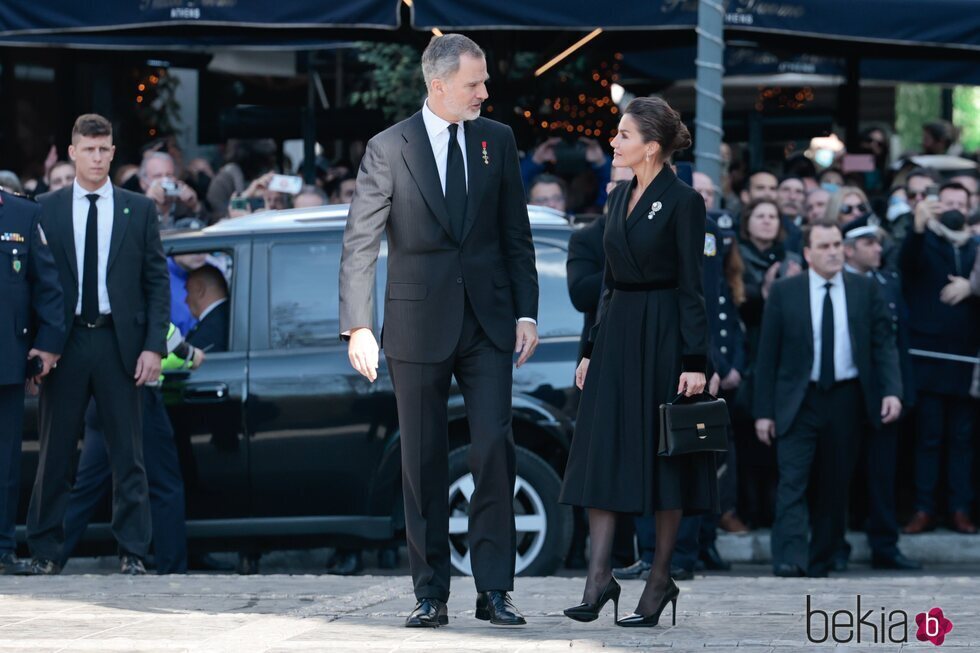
pixel 860 209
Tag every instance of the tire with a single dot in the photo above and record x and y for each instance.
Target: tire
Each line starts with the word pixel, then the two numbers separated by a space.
pixel 544 526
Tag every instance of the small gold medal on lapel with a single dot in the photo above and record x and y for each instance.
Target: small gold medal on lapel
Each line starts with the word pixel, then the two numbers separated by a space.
pixel 486 161
pixel 656 206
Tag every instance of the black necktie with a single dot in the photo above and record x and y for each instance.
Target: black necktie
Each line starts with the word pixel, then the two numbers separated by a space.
pixel 455 184
pixel 827 341
pixel 90 263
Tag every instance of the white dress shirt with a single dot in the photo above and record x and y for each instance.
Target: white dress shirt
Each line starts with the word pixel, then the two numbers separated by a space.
pixel 106 208
pixel 438 130
pixel 844 367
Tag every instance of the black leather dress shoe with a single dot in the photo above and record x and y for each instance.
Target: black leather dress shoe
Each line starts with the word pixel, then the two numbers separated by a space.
pixel 44 567
pixel 11 565
pixel 897 561
pixel 428 613
pixel 639 569
pixel 679 573
pixel 131 565
pixel 712 559
pixel 786 570
pixel 497 608
pixel 346 563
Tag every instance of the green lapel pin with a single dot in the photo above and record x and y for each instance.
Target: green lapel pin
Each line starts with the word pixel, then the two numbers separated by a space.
pixel 16 266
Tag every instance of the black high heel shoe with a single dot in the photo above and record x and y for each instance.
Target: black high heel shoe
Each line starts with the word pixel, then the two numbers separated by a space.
pixel 590 611
pixel 639 621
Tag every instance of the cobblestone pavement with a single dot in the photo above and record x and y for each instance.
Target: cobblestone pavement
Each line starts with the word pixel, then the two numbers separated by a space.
pixel 747 610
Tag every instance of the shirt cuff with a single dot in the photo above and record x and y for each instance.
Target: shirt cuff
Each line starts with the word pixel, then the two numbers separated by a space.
pixel 527 319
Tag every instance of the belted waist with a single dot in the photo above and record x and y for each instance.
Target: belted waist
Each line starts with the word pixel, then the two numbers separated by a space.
pixel 101 322
pixel 670 284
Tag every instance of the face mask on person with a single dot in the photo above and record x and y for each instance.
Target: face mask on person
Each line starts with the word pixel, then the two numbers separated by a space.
pixel 953 220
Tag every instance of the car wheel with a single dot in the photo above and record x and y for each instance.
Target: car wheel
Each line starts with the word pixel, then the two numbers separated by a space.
pixel 543 525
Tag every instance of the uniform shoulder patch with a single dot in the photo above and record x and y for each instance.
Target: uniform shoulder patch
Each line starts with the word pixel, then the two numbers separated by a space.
pixel 710 245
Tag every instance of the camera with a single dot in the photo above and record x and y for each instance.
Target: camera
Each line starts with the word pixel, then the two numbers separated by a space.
pixel 170 187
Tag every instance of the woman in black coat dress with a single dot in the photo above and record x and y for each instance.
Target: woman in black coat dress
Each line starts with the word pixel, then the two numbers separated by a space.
pixel 650 343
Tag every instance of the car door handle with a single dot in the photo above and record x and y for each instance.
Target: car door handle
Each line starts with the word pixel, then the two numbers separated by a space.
pixel 206 393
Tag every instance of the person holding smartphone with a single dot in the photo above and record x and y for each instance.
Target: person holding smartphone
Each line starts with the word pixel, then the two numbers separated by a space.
pixel 175 201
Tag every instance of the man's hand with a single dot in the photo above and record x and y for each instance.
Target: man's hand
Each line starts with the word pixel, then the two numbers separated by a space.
pixel 891 409
pixel 732 380
pixel 527 341
pixel 258 186
pixel 31 388
pixel 955 291
pixel 49 360
pixel 769 279
pixel 765 430
pixel 691 383
pixel 156 193
pixel 593 151
pixel 362 351
pixel 198 358
pixel 580 372
pixel 545 152
pixel 187 196
pixel 925 211
pixel 147 367
pixel 713 384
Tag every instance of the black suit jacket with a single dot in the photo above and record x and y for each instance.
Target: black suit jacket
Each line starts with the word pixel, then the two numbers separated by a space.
pixel 398 193
pixel 211 333
pixel 585 267
pixel 786 348
pixel 136 276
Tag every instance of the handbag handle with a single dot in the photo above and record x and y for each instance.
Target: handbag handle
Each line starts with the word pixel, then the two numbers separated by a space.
pixel 704 397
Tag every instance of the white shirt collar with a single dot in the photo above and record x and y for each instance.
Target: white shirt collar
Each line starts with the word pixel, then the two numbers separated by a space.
pixel 103 191
pixel 207 311
pixel 818 282
pixel 434 125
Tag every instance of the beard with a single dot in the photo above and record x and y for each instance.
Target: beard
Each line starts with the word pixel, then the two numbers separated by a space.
pixel 464 111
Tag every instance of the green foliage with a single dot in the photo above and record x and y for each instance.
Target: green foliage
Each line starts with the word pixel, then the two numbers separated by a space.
pixel 395 83
pixel 915 104
pixel 966 115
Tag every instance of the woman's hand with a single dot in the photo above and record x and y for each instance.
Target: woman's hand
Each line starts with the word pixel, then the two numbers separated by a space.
pixel 583 369
pixel 691 383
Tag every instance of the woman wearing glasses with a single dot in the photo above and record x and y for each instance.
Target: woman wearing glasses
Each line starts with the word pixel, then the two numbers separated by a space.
pixel 847 204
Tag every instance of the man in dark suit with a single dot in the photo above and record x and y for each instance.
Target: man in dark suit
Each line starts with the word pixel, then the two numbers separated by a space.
pixel 207 299
pixel 445 187
pixel 106 244
pixel 830 359
pixel 31 338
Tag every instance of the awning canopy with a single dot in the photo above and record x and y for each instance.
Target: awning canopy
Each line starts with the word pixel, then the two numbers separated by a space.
pixel 157 24
pixel 946 24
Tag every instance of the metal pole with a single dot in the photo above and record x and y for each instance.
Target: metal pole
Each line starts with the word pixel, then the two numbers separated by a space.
pixel 708 86
pixel 309 123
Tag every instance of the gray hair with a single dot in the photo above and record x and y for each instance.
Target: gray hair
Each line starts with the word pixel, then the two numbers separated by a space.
pixel 149 156
pixel 10 181
pixel 441 57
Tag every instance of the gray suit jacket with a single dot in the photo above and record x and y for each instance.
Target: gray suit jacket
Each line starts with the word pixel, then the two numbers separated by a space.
pixel 398 194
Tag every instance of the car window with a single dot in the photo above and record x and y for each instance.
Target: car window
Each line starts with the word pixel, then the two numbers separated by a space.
pixel 303 296
pixel 556 315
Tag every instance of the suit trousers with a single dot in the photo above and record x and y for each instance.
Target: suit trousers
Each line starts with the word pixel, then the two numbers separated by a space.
pixel 93 481
pixel 944 420
pixel 484 375
pixel 90 367
pixel 881 526
pixel 816 456
pixel 11 424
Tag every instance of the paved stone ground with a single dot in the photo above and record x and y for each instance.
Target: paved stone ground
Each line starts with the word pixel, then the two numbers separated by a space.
pixel 746 610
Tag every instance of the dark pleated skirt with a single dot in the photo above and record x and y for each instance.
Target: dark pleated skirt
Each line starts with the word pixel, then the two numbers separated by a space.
pixel 613 462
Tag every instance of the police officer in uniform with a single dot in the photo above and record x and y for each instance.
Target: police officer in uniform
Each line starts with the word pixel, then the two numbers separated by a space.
pixel 863 254
pixel 32 335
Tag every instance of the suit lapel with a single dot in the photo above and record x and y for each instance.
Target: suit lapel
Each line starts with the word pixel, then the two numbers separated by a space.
pixel 476 172
pixel 65 217
pixel 421 162
pixel 664 180
pixel 807 313
pixel 120 220
pixel 851 304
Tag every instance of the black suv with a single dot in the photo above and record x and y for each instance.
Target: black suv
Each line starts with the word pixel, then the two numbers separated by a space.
pixel 284 445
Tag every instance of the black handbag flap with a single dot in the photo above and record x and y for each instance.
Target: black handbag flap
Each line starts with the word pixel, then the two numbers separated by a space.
pixel 707 414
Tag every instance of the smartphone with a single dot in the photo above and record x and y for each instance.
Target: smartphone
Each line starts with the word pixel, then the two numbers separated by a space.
pixel 932 192
pixel 170 187
pixel 857 163
pixel 34 367
pixel 286 184
pixel 256 203
pixel 238 204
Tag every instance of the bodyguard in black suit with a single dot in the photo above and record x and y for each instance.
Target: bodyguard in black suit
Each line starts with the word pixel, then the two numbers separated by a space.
pixel 106 244
pixel 461 283
pixel 31 327
pixel 829 360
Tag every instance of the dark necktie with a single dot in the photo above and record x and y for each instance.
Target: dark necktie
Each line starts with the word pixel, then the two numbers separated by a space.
pixel 827 341
pixel 455 184
pixel 90 263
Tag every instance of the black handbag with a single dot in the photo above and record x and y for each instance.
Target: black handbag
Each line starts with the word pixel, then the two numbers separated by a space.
pixel 693 425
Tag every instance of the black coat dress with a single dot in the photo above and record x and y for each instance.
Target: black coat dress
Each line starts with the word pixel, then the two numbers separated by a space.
pixel 651 326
